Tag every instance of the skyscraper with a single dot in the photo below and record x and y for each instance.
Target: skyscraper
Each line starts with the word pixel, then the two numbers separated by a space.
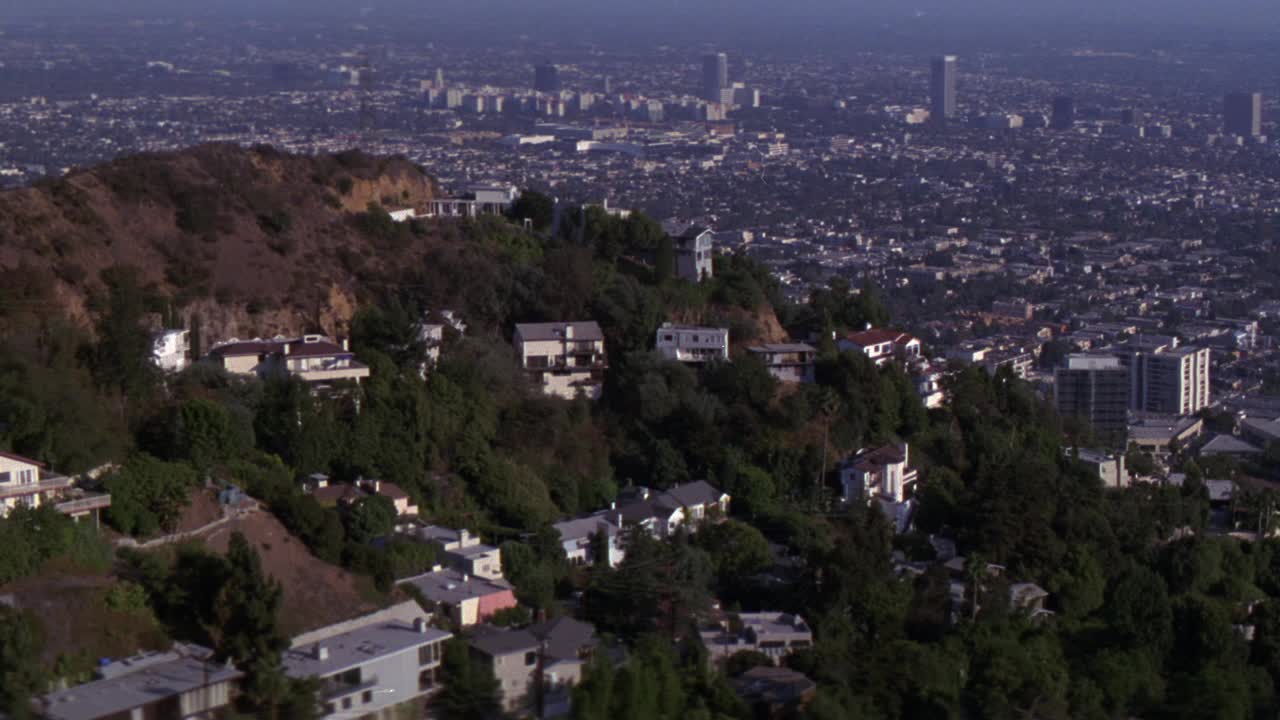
pixel 1064 113
pixel 1242 114
pixel 1094 388
pixel 942 88
pixel 715 76
pixel 439 78
pixel 546 78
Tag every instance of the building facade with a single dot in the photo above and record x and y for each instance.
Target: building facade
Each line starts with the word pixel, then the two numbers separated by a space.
pixel 881 346
pixel 694 247
pixel 563 359
pixel 314 359
pixel 1242 114
pixel 942 88
pixel 26 483
pixel 474 201
pixel 170 350
pixel 370 670
pixel 787 362
pixel 715 76
pixel 691 344
pixel 1172 381
pixel 1094 388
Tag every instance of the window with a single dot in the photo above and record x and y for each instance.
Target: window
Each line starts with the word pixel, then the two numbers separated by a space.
pixel 530 658
pixel 4 477
pixel 350 677
pixel 366 697
pixel 426 680
pixel 428 654
pixel 346 703
pixel 330 708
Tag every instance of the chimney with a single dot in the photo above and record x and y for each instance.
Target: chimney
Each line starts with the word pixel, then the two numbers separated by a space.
pixel 613 505
pixel 903 448
pixel 321 652
pixel 568 331
pixel 346 344
pixel 286 348
pixel 420 626
pixel 466 578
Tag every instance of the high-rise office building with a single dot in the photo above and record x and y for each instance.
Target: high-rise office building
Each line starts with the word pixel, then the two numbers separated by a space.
pixel 1064 113
pixel 715 76
pixel 1242 114
pixel 1168 381
pixel 607 85
pixel 1094 388
pixel 942 88
pixel 439 78
pixel 546 78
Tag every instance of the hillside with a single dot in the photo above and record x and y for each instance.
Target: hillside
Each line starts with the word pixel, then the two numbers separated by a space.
pixel 254 240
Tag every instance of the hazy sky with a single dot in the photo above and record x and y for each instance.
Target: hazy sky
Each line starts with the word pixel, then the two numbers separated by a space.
pixel 653 18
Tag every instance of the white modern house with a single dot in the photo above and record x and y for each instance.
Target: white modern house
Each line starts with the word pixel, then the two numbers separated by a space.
pixel 170 350
pixel 883 476
pixel 26 483
pixel 691 344
pixel 376 666
pixel 461 550
pixel 564 359
pixel 475 201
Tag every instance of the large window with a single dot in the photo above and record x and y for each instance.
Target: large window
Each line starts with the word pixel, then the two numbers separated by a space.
pixel 428 654
pixel 426 680
pixel 4 477
pixel 530 659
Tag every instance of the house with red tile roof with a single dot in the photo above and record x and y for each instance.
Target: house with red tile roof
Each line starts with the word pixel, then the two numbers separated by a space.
pixel 881 345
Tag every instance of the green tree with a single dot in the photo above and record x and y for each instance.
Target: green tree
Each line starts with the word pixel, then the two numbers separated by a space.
pixel 370 518
pixel 245 628
pixel 468 689
pixel 20 677
pixel 148 494
pixel 121 359
pixel 536 207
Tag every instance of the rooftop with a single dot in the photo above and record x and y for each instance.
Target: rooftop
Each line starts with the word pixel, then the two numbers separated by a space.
pixel 582 330
pixel 451 586
pixel 359 646
pixel 138 681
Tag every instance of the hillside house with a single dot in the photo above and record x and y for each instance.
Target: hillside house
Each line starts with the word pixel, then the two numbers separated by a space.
pixel 170 350
pixel 563 358
pixel 694 246
pixel 692 345
pixel 882 476
pixel 26 483
pixel 382 665
pixel 461 550
pixel 313 359
pixel 473 202
pixel 787 362
pixel 464 599
pixel 184 682
pixel 774 634
pixel 881 346
pixel 561 648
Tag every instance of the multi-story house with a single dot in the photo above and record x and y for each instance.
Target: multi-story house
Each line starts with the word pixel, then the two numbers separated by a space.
pixel 552 653
pixel 475 201
pixel 882 476
pixel 774 634
pixel 461 550
pixel 788 362
pixel 880 345
pixel 692 345
pixel 170 350
pixel 25 483
pixel 583 537
pixel 381 666
pixel 694 247
pixel 311 358
pixel 184 682
pixel 563 358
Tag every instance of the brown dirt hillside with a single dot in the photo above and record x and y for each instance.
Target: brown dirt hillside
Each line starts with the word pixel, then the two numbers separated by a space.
pixel 254 240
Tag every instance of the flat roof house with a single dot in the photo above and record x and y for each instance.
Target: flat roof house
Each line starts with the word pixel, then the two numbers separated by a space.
pixel 181 683
pixel 461 550
pixel 563 358
pixel 312 358
pixel 775 634
pixel 691 344
pixel 370 666
pixel 788 362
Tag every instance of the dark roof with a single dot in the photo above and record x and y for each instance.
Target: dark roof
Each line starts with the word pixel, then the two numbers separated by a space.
pixel 564 637
pixel 772 685
pixel 494 642
pixel 875 459
pixel 582 330
pixel 21 459
pixel 700 492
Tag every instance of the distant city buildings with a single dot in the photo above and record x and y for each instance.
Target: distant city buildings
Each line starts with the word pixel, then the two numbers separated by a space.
pixel 546 78
pixel 942 88
pixel 715 76
pixel 1242 114
pixel 1064 113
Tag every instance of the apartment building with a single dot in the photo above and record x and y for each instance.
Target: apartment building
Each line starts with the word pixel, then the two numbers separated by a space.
pixel 381 667
pixel 564 359
pixel 26 483
pixel 1168 380
pixel 1094 388
pixel 787 362
pixel 312 358
pixel 184 682
pixel 691 344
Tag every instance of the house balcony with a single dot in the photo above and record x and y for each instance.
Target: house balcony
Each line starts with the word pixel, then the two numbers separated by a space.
pixel 352 371
pixel 89 502
pixel 49 484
